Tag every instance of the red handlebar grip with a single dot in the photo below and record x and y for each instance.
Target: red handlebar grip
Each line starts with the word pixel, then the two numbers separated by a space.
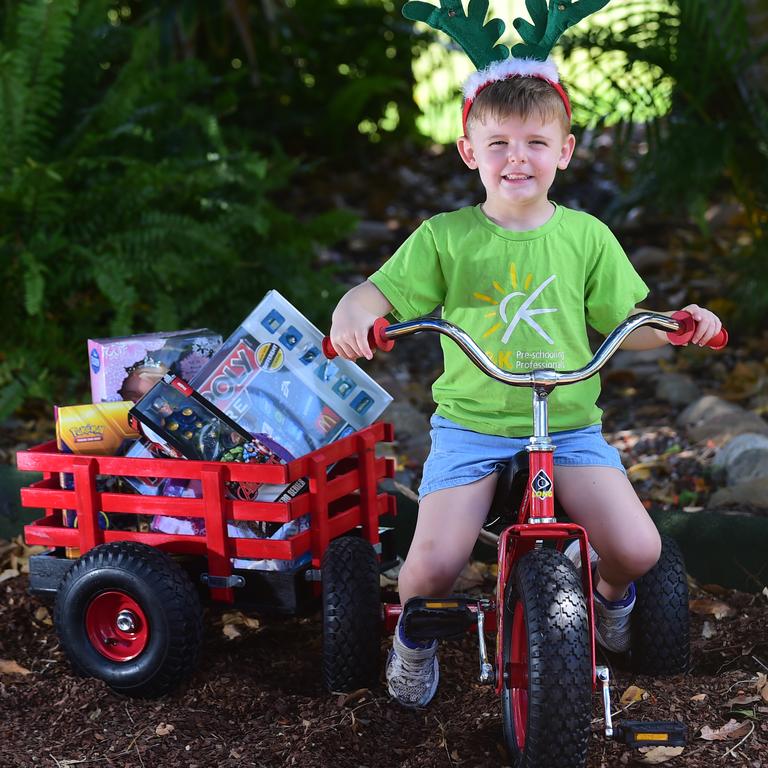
pixel 685 334
pixel 376 339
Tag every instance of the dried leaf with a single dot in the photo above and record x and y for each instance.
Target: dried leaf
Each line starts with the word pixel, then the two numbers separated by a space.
pixel 43 615
pixel 12 668
pixel 731 730
pixel 762 685
pixel 708 631
pixel 699 697
pixel 656 755
pixel 716 608
pixel 345 699
pixel 8 573
pixel 230 631
pixel 633 694
pixel 238 618
pixel 742 699
pixel 163 729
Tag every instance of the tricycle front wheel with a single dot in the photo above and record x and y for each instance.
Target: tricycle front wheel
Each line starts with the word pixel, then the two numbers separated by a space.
pixel 546 664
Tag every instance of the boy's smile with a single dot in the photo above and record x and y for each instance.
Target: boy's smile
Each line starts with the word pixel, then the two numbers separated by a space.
pixel 517 159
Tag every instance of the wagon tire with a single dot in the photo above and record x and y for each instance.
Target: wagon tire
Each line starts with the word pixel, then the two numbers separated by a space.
pixel 127 614
pixel 660 620
pixel 547 664
pixel 351 615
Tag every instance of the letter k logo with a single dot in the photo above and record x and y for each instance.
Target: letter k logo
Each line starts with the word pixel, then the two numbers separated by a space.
pixel 525 313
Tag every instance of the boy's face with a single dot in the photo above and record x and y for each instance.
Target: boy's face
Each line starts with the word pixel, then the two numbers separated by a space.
pixel 517 159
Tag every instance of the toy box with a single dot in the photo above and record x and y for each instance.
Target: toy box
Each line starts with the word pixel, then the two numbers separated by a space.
pixel 271 377
pixel 126 368
pixel 190 526
pixel 179 422
pixel 101 429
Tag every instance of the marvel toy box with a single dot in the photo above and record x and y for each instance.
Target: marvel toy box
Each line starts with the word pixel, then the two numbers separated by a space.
pixel 180 423
pixel 126 368
pixel 271 377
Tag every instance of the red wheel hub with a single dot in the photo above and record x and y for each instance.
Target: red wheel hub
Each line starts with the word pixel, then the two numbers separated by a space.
pixel 518 675
pixel 116 626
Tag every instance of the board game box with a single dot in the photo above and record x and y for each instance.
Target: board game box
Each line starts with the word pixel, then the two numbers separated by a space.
pixel 271 377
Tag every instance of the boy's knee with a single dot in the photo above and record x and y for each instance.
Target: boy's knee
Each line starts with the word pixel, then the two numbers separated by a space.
pixel 642 555
pixel 425 578
pixel 634 558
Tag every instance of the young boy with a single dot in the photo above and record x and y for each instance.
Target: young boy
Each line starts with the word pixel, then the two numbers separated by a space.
pixel 523 276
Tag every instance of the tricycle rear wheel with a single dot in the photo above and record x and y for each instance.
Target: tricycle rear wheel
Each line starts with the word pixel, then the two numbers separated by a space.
pixel 351 615
pixel 127 614
pixel 546 663
pixel 660 620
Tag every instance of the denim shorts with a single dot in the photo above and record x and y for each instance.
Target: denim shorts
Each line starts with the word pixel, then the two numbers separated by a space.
pixel 460 456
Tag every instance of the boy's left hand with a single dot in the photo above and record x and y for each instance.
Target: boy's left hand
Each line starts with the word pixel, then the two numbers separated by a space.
pixel 707 324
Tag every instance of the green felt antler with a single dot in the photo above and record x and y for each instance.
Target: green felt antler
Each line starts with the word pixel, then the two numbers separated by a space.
pixel 470 31
pixel 548 24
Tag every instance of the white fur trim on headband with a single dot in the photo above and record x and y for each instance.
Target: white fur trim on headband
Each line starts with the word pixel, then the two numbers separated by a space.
pixel 501 70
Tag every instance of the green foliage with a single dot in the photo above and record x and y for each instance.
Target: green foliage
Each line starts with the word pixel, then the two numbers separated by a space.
pixel 325 76
pixel 125 204
pixel 712 139
pixel 711 142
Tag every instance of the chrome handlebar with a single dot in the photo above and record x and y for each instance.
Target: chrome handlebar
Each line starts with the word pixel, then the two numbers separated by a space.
pixel 543 379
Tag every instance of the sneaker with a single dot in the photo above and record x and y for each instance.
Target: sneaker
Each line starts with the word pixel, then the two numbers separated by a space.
pixel 612 624
pixel 412 673
pixel 573 553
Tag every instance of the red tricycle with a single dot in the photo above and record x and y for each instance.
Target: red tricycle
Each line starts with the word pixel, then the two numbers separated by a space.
pixel 545 670
pixel 127 608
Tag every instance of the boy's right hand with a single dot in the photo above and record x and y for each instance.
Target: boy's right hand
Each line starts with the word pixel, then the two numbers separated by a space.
pixel 353 317
pixel 350 325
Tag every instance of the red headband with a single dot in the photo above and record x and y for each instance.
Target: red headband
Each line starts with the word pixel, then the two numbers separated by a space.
pixel 468 102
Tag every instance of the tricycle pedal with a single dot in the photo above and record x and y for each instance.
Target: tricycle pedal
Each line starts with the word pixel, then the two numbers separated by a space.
pixel 637 733
pixel 441 618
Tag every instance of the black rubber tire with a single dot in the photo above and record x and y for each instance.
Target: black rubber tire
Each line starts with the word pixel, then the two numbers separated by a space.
pixel 168 600
pixel 351 615
pixel 661 642
pixel 545 586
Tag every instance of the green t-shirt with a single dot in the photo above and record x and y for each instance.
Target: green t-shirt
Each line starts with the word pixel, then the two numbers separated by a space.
pixel 525 298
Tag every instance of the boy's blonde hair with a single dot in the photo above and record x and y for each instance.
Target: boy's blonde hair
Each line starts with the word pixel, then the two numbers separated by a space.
pixel 519 97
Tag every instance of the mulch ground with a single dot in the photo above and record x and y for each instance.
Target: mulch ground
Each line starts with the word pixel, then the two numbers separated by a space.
pixel 256 700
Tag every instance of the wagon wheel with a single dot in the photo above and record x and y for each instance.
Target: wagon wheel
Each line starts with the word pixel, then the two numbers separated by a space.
pixel 127 614
pixel 351 615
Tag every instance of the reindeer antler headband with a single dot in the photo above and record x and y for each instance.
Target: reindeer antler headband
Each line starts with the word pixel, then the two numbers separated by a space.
pixel 493 62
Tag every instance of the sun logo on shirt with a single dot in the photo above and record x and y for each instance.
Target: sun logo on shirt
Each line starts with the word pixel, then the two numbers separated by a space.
pixel 511 317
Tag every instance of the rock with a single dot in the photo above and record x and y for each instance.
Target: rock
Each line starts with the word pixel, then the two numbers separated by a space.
pixel 373 231
pixel 752 492
pixel 647 257
pixel 411 430
pixel 642 362
pixel 677 388
pixel 748 465
pixel 711 418
pixel 747 441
